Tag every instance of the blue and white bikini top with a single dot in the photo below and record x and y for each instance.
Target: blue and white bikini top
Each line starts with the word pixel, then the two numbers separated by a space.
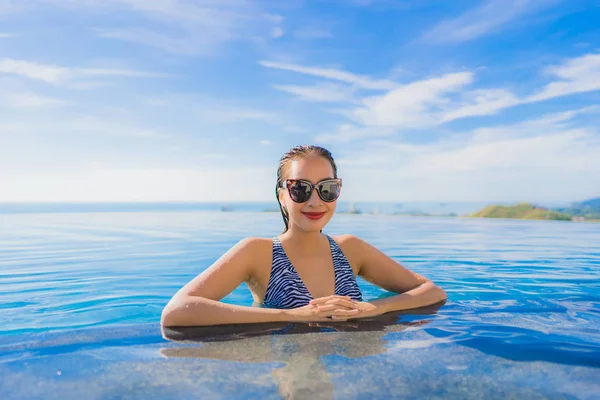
pixel 286 290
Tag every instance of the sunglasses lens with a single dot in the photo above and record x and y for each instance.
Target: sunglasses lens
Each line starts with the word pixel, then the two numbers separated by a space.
pixel 299 191
pixel 329 191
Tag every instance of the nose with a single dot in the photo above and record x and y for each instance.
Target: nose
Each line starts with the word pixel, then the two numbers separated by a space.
pixel 314 200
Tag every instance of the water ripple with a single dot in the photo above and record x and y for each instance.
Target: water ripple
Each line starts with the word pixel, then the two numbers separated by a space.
pixel 510 283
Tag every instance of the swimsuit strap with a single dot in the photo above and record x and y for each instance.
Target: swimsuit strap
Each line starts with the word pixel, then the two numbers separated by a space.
pixel 286 289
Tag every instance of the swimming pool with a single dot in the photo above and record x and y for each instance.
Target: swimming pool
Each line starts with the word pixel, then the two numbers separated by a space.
pixel 82 295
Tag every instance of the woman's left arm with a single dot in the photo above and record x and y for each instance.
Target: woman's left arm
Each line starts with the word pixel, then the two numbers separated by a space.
pixel 413 290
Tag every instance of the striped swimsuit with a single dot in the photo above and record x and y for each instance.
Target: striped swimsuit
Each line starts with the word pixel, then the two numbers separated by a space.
pixel 286 289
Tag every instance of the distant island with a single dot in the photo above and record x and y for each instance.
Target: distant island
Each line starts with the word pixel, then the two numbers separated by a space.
pixel 588 210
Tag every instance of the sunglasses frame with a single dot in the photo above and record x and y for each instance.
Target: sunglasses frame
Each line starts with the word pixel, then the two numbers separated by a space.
pixel 288 182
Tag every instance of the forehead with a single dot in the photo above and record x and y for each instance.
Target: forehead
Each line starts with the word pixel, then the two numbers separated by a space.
pixel 313 169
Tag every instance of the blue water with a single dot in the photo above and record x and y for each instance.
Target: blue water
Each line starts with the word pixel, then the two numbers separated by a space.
pixel 81 295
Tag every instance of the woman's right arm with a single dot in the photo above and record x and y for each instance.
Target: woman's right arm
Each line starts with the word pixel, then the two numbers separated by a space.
pixel 197 303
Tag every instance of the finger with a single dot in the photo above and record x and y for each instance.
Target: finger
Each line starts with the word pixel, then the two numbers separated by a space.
pixel 331 307
pixel 343 302
pixel 325 299
pixel 338 312
pixel 328 307
pixel 322 309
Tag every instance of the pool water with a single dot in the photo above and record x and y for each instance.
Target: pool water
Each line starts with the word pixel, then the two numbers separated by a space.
pixel 81 296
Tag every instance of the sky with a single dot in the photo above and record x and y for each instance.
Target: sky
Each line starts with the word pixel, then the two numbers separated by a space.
pixel 188 100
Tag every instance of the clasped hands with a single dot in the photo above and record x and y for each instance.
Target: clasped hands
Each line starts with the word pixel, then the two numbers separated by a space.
pixel 337 308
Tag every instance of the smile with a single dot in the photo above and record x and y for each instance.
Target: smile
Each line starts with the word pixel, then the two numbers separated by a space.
pixel 313 215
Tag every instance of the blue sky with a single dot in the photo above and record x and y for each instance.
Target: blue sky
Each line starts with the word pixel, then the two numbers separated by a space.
pixel 423 100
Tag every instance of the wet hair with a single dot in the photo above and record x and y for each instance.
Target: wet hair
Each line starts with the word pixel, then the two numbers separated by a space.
pixel 295 153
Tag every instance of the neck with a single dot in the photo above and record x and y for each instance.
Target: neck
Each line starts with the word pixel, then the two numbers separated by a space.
pixel 302 238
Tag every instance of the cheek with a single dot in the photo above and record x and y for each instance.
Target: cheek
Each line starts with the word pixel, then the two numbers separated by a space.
pixel 288 204
pixel 294 208
pixel 285 200
pixel 332 206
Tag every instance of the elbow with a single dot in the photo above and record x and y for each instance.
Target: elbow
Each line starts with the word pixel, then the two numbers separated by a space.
pixel 168 316
pixel 443 295
pixel 432 295
pixel 173 313
pixel 439 295
pixel 184 310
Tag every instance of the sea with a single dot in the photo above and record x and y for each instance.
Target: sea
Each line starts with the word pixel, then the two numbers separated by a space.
pixel 82 288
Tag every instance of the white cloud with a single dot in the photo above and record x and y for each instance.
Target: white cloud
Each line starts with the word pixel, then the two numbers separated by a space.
pixel 481 102
pixel 59 75
pixel 412 105
pixel 546 159
pixel 93 124
pixel 89 84
pixel 46 73
pixel 557 118
pixel 190 27
pixel 265 142
pixel 433 101
pixel 206 111
pixel 537 152
pixel 490 17
pixel 101 184
pixel 29 100
pixel 118 72
pixel 66 124
pixel 324 92
pixel 361 81
pixel 6 35
pixel 576 75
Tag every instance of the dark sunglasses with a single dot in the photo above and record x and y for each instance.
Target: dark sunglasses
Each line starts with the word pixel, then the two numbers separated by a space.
pixel 301 190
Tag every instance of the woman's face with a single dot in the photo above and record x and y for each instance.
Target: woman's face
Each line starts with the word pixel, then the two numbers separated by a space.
pixel 313 214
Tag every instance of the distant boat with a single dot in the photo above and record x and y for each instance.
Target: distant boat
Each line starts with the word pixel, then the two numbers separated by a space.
pixel 353 210
pixel 226 208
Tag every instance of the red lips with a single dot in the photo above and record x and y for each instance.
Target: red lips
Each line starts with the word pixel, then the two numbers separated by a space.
pixel 314 215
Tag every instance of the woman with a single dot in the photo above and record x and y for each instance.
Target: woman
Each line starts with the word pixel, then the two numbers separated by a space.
pixel 303 274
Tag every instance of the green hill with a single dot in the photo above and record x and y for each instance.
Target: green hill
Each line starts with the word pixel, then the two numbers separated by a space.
pixel 520 211
pixel 589 209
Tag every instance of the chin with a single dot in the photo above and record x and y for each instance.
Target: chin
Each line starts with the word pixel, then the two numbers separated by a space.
pixel 315 226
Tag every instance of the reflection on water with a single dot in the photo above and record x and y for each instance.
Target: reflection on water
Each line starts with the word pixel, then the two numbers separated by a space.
pixel 299 346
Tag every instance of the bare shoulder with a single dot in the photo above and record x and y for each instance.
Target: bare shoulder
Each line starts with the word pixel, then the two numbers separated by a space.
pixel 349 243
pixel 352 248
pixel 346 239
pixel 254 246
pixel 255 242
pixel 257 253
